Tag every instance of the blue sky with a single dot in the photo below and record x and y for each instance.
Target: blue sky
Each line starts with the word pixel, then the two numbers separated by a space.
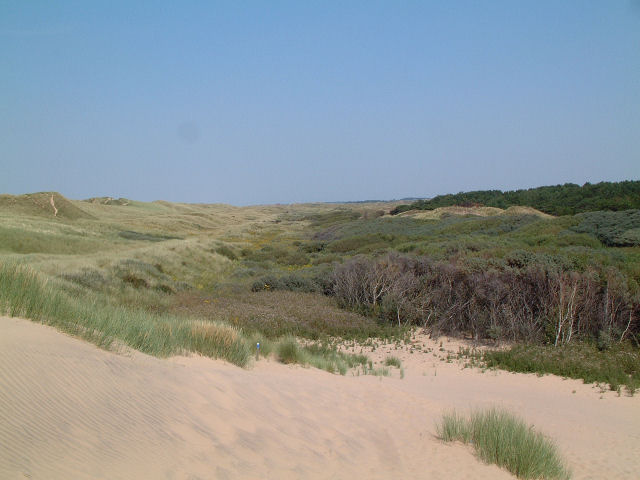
pixel 249 102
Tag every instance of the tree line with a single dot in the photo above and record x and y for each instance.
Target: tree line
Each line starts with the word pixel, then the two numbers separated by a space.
pixel 567 199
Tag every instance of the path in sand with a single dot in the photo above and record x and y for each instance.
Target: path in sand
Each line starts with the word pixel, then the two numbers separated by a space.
pixel 53 204
pixel 70 410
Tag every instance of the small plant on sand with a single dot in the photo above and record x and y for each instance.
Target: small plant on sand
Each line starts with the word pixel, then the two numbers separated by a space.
pixel 393 362
pixel 290 352
pixel 378 372
pixel 502 438
pixel 324 357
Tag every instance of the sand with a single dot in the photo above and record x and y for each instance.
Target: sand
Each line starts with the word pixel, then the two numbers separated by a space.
pixel 69 410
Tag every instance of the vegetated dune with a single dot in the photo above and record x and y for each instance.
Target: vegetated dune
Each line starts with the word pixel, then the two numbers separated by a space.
pixel 523 210
pixel 70 410
pixel 42 204
pixel 477 211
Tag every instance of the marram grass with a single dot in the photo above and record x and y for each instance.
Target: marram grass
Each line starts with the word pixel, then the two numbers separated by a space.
pixel 392 361
pixel 28 294
pixel 500 437
pixel 24 293
pixel 318 356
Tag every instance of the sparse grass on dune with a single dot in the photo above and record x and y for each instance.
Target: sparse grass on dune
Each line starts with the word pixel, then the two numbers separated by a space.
pixel 392 361
pixel 616 366
pixel 319 356
pixel 500 437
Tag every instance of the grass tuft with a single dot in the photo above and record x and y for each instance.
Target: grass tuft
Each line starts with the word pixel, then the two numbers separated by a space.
pixel 500 437
pixel 290 352
pixel 317 355
pixel 454 427
pixel 392 361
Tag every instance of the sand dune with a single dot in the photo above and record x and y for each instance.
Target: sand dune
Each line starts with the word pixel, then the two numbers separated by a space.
pixel 439 212
pixel 71 411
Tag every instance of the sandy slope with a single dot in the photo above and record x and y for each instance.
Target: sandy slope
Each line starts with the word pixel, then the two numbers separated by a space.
pixel 439 212
pixel 69 410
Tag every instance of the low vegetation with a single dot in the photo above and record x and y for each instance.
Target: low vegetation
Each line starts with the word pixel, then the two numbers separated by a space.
pixel 24 293
pixel 392 361
pixel 127 272
pixel 318 355
pixel 501 438
pixel 525 302
pixel 616 366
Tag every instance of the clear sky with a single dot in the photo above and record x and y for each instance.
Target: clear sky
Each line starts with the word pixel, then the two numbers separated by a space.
pixel 248 102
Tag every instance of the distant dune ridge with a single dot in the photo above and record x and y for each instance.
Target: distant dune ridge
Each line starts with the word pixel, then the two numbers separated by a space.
pixel 43 204
pixel 474 211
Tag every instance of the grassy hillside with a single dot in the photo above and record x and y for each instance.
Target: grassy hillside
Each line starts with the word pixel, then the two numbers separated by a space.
pixel 154 276
pixel 42 204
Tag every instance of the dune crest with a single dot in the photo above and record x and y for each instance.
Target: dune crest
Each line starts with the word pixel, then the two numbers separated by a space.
pixel 440 212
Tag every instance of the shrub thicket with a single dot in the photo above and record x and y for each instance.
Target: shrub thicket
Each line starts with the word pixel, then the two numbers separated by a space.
pixel 291 282
pixel 535 303
pixel 614 229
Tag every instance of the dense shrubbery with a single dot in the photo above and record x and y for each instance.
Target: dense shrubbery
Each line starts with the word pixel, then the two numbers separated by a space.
pixel 479 236
pixel 567 199
pixel 614 229
pixel 530 302
pixel 293 283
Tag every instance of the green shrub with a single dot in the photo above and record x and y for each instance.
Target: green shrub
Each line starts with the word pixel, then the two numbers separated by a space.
pixel 87 278
pixel 148 237
pixel 135 281
pixel 612 228
pixel 291 282
pixel 269 282
pixel 290 352
pixel 226 252
pixel 362 243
